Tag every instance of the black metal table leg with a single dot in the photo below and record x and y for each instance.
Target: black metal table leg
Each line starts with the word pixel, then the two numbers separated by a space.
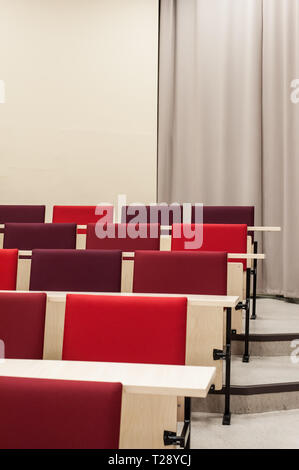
pixel 246 354
pixel 254 272
pixel 227 413
pixel 187 419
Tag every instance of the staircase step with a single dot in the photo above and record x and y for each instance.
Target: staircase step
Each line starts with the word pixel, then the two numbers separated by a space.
pixel 253 385
pixel 275 317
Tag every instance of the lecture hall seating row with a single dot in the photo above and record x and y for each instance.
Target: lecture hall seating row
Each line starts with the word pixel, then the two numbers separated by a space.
pixel 116 329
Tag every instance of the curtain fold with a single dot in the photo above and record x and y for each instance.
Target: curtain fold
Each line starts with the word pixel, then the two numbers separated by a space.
pixel 281 146
pixel 227 127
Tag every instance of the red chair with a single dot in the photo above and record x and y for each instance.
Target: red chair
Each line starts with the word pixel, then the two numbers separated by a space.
pixel 233 215
pixel 22 324
pixel 146 330
pixel 8 269
pixel 180 272
pixel 59 414
pixel 82 215
pixel 120 238
pixel 231 238
pixel 45 236
pixel 128 329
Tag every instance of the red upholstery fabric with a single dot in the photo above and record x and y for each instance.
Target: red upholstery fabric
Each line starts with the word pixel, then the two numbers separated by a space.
pixel 30 236
pixel 76 270
pixel 153 214
pixel 156 211
pixel 22 324
pixel 22 214
pixel 227 215
pixel 59 414
pixel 127 243
pixel 180 272
pixel 8 269
pixel 125 329
pixel 231 238
pixel 81 215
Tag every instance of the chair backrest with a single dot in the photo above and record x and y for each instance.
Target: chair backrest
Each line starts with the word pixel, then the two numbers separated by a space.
pixel 22 214
pixel 76 270
pixel 125 329
pixel 8 269
pixel 59 414
pixel 22 324
pixel 119 237
pixel 231 238
pixel 82 215
pixel 227 215
pixel 45 236
pixel 163 215
pixel 180 272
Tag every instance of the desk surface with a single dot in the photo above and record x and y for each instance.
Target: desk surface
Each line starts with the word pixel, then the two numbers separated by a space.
pixel 224 301
pixel 192 381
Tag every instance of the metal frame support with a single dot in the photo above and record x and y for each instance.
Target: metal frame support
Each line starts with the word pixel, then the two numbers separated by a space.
pixel 227 414
pixel 254 274
pixel 246 306
pixel 171 438
pixel 226 355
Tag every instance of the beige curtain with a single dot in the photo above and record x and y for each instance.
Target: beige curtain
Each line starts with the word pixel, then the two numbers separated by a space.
pixel 281 145
pixel 221 141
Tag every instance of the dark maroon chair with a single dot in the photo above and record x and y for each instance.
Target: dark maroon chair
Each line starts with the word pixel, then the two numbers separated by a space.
pixel 59 414
pixel 153 214
pixel 76 270
pixel 22 324
pixel 126 244
pixel 180 272
pixel 22 214
pixel 227 215
pixel 45 236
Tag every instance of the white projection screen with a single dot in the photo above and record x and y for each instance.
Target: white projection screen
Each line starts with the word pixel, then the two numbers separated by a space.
pixel 79 121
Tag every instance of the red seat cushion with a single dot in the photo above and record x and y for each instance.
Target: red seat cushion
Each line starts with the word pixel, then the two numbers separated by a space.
pixel 118 242
pixel 59 414
pixel 8 269
pixel 180 272
pixel 125 329
pixel 22 324
pixel 45 236
pixel 231 238
pixel 76 270
pixel 81 215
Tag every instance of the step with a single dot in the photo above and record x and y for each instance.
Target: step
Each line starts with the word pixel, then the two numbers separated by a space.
pixel 255 387
pixel 272 333
pixel 274 430
pixel 275 317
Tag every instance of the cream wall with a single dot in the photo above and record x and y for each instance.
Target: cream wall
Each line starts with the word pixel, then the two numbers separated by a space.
pixel 79 122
